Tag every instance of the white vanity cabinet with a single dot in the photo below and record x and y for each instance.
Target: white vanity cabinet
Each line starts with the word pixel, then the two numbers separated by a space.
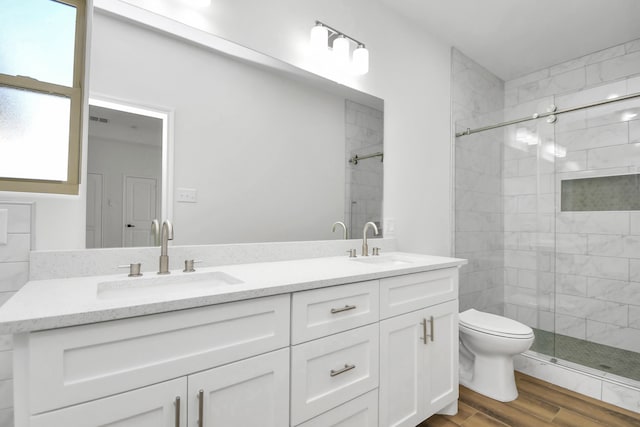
pixel 418 349
pixel 335 359
pixel 102 363
pixel 249 392
pixel 380 352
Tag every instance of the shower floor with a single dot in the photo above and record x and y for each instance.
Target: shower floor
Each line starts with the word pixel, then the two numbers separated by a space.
pixel 597 356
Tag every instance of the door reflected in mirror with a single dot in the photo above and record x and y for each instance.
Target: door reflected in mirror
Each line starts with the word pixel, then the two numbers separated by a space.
pixel 124 175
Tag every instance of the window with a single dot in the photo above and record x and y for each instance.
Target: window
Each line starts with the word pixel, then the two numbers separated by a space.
pixel 42 45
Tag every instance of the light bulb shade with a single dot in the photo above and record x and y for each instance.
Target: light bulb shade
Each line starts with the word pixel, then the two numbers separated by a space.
pixel 341 51
pixel 319 39
pixel 360 61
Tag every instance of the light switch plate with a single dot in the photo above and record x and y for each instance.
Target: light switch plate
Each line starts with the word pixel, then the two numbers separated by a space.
pixel 4 225
pixel 187 195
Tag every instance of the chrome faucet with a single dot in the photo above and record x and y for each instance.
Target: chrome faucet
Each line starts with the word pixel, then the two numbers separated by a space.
pixel 365 246
pixel 165 235
pixel 344 229
pixel 155 232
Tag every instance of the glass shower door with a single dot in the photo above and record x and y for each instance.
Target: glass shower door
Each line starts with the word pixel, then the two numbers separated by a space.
pixel 597 298
pixel 504 220
pixel 529 221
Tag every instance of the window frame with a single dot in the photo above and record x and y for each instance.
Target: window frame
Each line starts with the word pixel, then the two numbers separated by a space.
pixel 75 94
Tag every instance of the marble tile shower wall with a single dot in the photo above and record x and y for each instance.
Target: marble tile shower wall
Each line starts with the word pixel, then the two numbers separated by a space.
pixel 596 267
pixel 478 187
pixel 363 196
pixel 14 273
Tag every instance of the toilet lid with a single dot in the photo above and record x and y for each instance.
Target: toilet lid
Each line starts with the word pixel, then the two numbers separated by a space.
pixel 493 324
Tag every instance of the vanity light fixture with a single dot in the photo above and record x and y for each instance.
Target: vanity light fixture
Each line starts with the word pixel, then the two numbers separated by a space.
pixel 319 39
pixel 324 36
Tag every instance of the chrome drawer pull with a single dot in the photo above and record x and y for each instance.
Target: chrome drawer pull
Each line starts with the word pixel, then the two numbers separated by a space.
pixel 340 310
pixel 177 423
pixel 425 335
pixel 201 408
pixel 342 371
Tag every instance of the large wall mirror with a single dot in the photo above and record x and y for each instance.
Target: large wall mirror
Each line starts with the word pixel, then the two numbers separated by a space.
pixel 257 155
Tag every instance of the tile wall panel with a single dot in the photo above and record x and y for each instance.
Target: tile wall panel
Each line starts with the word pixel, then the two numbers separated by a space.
pixel 479 215
pixel 14 273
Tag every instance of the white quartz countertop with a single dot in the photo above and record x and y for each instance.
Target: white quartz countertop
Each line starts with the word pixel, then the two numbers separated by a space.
pixel 56 303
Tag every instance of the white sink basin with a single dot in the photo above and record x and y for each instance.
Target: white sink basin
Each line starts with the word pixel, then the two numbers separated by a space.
pixel 384 260
pixel 176 283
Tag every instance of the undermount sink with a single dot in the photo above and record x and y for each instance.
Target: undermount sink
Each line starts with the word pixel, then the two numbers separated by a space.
pixel 161 285
pixel 384 260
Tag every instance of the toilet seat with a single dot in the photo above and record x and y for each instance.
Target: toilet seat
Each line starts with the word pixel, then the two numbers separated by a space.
pixel 492 324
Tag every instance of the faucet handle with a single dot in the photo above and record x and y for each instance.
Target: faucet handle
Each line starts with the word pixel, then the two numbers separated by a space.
pixel 188 265
pixel 376 251
pixel 134 269
pixel 352 253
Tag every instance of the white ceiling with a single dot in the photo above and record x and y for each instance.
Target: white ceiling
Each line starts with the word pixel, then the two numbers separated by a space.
pixel 515 37
pixel 125 127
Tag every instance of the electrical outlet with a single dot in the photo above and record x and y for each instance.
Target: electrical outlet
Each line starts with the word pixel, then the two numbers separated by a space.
pixel 187 195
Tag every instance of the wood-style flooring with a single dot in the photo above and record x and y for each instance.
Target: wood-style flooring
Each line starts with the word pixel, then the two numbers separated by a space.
pixel 539 404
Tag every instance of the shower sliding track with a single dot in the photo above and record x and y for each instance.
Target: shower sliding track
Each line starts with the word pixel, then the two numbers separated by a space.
pixel 551 113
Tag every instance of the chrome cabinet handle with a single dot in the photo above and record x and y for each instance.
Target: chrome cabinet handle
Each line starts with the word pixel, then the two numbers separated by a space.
pixel 424 331
pixel 340 310
pixel 201 408
pixel 425 335
pixel 177 422
pixel 432 322
pixel 346 368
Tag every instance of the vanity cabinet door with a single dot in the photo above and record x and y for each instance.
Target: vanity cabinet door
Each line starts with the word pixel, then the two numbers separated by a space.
pixel 153 406
pixel 418 364
pixel 402 370
pixel 251 392
pixel 442 357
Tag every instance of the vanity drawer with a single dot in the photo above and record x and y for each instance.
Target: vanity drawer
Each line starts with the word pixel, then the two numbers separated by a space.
pixel 332 370
pixel 359 412
pixel 410 292
pixel 81 363
pixel 327 311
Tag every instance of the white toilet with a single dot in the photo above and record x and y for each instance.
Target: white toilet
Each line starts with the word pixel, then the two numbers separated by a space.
pixel 488 343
